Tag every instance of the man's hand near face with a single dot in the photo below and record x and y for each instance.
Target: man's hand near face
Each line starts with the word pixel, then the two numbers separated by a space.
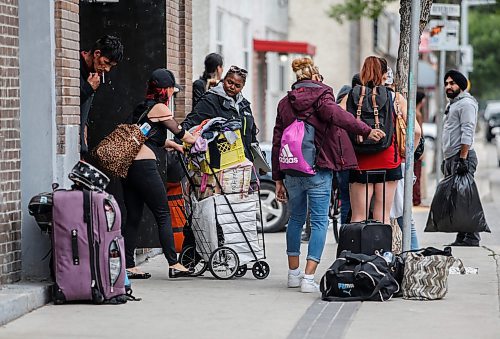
pixel 94 80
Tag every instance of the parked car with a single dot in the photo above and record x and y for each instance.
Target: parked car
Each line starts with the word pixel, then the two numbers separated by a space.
pixel 274 214
pixel 492 118
pixel 492 122
pixel 496 132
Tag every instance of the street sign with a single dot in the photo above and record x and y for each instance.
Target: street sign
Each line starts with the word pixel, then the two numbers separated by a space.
pixel 445 9
pixel 443 35
pixel 480 2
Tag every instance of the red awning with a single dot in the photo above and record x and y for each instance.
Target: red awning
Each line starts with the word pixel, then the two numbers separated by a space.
pixel 284 47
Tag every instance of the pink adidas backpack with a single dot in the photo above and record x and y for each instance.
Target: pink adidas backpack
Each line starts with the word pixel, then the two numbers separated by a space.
pixel 298 152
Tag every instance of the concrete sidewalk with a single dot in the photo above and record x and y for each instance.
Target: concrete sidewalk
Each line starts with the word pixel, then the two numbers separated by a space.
pixel 249 308
pixel 204 307
pixel 201 307
pixel 469 310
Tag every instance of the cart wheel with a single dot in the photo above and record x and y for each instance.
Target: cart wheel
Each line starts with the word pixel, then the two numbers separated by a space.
pixel 260 270
pixel 192 260
pixel 223 263
pixel 241 271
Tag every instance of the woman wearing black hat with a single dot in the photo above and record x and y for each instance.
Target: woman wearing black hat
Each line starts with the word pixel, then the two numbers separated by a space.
pixel 144 183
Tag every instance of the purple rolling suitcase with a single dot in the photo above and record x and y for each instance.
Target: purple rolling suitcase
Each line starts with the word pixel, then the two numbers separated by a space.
pixel 88 248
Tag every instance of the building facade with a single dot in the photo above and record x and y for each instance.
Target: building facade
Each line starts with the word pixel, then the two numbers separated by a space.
pixel 230 28
pixel 40 105
pixel 10 144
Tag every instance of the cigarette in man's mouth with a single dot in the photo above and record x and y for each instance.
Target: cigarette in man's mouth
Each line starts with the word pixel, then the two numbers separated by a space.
pixel 102 75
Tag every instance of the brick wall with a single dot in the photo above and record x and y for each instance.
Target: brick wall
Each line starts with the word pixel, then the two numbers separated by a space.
pixel 10 153
pixel 180 51
pixel 67 64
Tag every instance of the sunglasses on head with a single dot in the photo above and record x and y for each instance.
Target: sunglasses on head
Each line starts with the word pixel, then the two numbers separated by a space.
pixel 236 69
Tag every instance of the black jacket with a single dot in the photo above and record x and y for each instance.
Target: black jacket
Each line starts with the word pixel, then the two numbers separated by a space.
pixel 199 87
pixel 212 105
pixel 86 97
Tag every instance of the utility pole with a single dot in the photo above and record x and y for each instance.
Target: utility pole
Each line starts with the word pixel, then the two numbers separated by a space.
pixel 410 127
pixel 438 152
pixel 445 39
pixel 464 34
pixel 464 28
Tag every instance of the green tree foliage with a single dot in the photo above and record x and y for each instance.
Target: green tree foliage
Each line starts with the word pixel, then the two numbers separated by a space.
pixel 484 36
pixel 355 9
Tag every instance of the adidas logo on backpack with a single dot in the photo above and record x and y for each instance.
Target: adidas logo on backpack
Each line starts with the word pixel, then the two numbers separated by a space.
pixel 286 157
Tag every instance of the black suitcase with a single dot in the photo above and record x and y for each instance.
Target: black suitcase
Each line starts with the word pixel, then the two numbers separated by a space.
pixel 367 236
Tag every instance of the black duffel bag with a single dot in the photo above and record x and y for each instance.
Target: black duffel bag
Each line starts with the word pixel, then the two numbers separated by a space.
pixel 358 277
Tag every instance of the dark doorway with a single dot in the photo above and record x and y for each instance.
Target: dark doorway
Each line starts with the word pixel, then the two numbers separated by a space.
pixel 141 26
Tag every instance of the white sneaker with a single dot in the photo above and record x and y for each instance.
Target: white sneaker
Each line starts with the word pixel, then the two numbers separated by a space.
pixel 309 286
pixel 294 280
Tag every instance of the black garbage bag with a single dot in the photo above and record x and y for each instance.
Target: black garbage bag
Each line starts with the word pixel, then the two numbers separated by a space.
pixel 456 207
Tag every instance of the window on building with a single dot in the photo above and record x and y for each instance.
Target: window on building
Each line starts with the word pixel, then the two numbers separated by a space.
pixel 219 38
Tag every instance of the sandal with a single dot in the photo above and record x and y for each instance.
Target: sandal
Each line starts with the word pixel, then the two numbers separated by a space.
pixel 136 275
pixel 129 296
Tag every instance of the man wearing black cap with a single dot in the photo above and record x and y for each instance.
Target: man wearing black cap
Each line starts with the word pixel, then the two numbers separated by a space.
pixel 458 137
pixel 94 64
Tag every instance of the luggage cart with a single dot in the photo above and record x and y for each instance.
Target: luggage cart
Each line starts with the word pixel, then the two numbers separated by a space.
pixel 226 235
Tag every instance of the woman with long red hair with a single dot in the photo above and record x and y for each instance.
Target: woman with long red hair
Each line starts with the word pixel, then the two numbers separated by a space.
pixel 374 74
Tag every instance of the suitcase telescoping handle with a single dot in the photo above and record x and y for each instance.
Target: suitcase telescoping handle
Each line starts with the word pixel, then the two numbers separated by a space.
pixel 368 173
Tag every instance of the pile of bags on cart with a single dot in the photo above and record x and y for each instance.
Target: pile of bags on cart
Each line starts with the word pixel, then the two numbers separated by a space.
pixel 88 252
pixel 371 266
pixel 217 162
pixel 223 191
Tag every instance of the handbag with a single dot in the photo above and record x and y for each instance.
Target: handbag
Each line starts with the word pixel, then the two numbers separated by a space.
pixel 116 152
pixel 426 273
pixel 400 130
pixel 397 237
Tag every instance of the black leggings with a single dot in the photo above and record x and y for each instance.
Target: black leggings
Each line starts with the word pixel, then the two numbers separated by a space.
pixel 144 185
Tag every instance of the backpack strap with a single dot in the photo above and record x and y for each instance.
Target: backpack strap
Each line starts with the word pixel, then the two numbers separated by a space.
pixel 359 138
pixel 375 107
pixel 394 117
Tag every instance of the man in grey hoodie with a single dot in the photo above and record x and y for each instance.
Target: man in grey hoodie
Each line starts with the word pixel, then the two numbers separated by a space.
pixel 458 138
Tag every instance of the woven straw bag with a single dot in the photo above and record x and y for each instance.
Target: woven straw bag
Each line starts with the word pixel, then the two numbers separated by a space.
pixel 397 237
pixel 426 277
